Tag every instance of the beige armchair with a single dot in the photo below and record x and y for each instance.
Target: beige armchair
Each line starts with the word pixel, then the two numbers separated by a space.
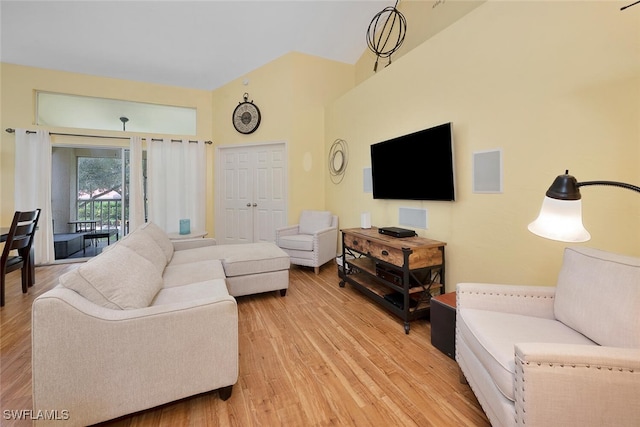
pixel 313 241
pixel 567 355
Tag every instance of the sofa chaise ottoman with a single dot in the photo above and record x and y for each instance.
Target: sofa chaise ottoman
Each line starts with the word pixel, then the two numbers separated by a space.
pixel 249 268
pixel 147 322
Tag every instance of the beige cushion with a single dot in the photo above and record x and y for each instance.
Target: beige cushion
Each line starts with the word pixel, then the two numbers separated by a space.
pixel 300 242
pixel 160 237
pixel 197 271
pixel 596 290
pixel 117 279
pixel 204 253
pixel 144 245
pixel 492 337
pixel 237 260
pixel 312 221
pixel 192 292
pixel 252 258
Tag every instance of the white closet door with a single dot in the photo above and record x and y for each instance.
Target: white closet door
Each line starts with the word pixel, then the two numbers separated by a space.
pixel 251 183
pixel 269 191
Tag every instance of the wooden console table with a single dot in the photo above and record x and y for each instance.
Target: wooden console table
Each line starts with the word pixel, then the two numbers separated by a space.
pixel 401 274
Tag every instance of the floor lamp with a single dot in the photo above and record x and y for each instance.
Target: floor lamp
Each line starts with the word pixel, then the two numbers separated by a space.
pixel 560 216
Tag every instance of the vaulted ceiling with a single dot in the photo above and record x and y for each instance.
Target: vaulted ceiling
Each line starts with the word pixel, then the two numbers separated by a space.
pixel 196 44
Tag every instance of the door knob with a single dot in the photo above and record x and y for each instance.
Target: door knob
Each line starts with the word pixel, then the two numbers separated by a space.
pixel 255 204
pixel 248 205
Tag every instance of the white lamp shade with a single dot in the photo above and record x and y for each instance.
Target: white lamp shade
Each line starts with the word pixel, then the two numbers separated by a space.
pixel 560 220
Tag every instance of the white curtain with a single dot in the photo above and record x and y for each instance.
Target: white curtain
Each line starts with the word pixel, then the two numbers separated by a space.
pixel 136 188
pixel 33 187
pixel 176 183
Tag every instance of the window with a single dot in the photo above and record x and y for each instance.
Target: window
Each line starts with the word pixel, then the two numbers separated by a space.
pixel 84 112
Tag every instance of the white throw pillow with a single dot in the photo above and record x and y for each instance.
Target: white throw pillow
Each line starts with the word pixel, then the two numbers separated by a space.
pixel 117 279
pixel 313 221
pixel 160 237
pixel 144 245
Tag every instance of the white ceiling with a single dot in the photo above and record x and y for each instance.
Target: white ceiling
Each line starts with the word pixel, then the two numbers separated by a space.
pixel 197 44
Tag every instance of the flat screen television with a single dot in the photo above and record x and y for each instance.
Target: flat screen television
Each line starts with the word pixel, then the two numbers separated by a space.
pixel 417 166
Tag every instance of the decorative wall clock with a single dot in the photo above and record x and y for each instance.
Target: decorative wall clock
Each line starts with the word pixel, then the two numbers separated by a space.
pixel 246 116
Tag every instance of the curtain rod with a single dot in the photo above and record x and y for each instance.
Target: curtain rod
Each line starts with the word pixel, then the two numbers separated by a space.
pixel 11 130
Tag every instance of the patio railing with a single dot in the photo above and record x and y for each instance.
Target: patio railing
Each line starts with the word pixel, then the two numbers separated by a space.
pixel 108 213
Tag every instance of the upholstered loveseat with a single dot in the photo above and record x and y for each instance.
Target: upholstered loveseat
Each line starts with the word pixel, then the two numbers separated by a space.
pixel 556 356
pixel 147 322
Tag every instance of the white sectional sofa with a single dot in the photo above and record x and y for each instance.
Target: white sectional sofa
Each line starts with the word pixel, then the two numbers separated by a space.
pixel 567 355
pixel 146 322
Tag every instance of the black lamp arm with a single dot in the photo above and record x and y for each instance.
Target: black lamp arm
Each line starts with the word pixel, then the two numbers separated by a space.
pixel 611 184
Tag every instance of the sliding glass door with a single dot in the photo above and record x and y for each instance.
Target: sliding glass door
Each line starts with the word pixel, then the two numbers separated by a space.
pixel 89 197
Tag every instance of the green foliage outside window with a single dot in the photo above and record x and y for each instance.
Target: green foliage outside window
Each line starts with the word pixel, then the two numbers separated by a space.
pixel 97 177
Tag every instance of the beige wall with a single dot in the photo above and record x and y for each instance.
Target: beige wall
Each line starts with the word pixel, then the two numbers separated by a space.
pixel 17 106
pixel 291 93
pixel 555 85
pixel 425 18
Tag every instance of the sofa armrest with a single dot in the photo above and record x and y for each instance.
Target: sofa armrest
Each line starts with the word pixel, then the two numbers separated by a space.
pixel 289 230
pixel 180 245
pixel 327 237
pixel 84 355
pixel 325 231
pixel 563 384
pixel 534 301
pixel 325 241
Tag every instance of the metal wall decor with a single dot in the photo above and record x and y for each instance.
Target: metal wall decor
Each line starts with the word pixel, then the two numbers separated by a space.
pixel 338 160
pixel 379 35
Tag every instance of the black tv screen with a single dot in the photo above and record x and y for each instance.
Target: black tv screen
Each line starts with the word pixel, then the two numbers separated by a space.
pixel 417 166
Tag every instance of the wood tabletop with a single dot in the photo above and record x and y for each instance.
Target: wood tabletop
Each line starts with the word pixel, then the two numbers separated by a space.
pixel 448 299
pixel 396 242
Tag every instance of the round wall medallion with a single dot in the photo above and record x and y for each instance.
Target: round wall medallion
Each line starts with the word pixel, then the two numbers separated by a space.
pixel 338 160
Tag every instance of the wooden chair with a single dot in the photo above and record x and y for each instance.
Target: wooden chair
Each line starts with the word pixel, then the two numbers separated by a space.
pixel 20 238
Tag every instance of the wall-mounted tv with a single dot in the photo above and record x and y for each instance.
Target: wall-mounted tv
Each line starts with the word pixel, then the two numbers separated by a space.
pixel 417 166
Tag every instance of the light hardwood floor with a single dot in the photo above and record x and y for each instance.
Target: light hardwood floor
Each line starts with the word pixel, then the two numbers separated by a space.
pixel 322 355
